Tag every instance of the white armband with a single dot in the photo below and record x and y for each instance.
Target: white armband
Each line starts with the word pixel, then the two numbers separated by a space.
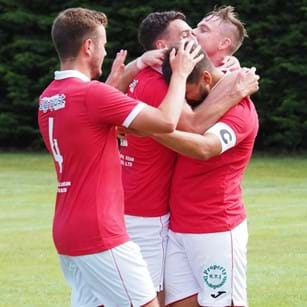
pixel 225 134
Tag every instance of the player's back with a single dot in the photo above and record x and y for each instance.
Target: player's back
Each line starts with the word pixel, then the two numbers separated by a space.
pixel 77 121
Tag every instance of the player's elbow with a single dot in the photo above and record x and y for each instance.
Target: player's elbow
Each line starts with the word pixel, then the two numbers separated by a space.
pixel 162 128
pixel 206 151
pixel 202 154
pixel 196 152
pixel 171 127
pixel 166 127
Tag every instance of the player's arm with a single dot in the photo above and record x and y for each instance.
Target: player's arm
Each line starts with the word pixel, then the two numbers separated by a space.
pixel 215 141
pixel 121 75
pixel 117 69
pixel 227 93
pixel 165 118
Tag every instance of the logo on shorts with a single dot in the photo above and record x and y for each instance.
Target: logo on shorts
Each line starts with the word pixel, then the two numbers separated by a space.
pixel 216 295
pixel 215 276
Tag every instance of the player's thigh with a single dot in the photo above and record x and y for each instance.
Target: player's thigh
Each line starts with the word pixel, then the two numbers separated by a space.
pixel 240 240
pixel 81 293
pixel 151 234
pixel 179 280
pixel 187 302
pixel 119 276
pixel 218 262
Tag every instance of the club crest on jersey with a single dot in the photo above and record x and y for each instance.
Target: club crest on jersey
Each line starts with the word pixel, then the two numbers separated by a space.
pixel 52 103
pixel 215 276
pixel 132 85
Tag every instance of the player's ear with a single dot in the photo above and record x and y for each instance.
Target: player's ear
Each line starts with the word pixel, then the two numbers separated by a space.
pixel 207 77
pixel 225 43
pixel 161 44
pixel 88 47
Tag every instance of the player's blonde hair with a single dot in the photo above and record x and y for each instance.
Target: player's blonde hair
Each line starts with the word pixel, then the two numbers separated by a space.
pixel 228 16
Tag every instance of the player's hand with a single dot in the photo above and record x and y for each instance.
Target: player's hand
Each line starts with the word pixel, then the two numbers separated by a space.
pixel 118 68
pixel 247 82
pixel 151 58
pixel 230 63
pixel 183 62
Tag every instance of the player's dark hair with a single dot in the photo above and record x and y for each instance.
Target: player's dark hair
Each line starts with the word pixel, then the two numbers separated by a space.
pixel 71 27
pixel 194 76
pixel 154 26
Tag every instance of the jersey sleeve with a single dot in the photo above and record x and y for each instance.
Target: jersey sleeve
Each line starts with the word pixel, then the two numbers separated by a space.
pixel 235 125
pixel 107 105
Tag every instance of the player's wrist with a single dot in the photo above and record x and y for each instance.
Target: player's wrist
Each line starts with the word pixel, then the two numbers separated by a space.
pixel 179 75
pixel 140 64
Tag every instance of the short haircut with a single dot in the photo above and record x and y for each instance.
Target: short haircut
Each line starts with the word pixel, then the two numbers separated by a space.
pixel 71 27
pixel 195 75
pixel 154 26
pixel 228 16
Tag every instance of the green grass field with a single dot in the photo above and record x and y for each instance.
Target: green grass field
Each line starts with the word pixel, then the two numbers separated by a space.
pixel 275 196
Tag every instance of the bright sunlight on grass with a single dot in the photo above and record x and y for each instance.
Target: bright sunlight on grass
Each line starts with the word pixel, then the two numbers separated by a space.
pixel 275 193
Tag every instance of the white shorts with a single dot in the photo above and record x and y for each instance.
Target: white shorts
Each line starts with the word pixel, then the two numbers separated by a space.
pixel 211 265
pixel 151 234
pixel 116 277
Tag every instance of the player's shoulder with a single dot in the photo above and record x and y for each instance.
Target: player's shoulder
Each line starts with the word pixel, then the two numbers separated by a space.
pixel 246 105
pixel 148 84
pixel 65 86
pixel 101 87
pixel 247 101
pixel 249 106
pixel 101 93
pixel 242 115
pixel 150 74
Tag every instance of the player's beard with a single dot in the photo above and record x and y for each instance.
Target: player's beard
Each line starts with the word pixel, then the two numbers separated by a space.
pixel 202 95
pixel 96 68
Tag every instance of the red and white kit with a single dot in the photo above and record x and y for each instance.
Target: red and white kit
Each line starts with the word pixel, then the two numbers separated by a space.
pixel 77 119
pixel 206 212
pixel 147 170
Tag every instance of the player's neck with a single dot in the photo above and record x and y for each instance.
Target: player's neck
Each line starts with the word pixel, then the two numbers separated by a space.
pixel 218 59
pixel 75 65
pixel 217 75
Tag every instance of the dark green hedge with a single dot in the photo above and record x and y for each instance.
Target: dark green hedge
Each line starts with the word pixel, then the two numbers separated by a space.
pixel 276 46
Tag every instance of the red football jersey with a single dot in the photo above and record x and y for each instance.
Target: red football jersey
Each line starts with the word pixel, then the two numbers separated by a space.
pixel 147 165
pixel 206 195
pixel 77 119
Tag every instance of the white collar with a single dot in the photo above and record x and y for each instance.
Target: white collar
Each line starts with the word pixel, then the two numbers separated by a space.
pixel 157 68
pixel 64 74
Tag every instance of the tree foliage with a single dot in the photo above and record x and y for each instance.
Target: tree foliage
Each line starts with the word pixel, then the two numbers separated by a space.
pixel 276 46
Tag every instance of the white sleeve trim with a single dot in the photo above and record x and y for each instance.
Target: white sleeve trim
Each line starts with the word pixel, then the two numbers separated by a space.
pixel 133 114
pixel 225 134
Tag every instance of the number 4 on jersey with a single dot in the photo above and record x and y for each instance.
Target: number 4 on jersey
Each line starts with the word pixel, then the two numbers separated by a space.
pixel 54 145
